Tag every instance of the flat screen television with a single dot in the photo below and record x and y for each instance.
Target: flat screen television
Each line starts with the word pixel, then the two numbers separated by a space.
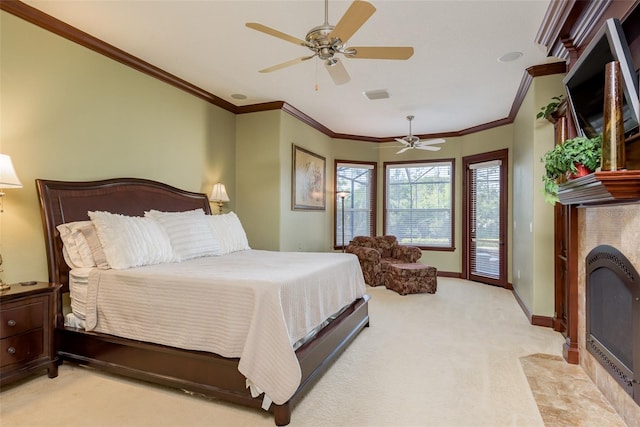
pixel 585 81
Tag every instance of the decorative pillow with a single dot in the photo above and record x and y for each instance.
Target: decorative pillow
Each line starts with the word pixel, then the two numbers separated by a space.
pixel 189 232
pixel 228 230
pixel 130 241
pixel 75 249
pixel 91 235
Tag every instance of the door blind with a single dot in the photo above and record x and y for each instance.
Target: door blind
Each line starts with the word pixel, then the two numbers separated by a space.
pixel 484 216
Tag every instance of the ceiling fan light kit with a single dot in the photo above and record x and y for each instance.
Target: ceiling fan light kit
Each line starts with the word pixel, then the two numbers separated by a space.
pixel 327 40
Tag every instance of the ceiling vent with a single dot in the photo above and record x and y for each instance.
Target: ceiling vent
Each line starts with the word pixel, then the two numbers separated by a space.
pixel 377 94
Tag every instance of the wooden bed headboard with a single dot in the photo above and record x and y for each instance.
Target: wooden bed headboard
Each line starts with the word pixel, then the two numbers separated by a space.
pixel 68 201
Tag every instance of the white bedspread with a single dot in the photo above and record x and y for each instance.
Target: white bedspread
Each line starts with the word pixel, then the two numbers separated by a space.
pixel 251 304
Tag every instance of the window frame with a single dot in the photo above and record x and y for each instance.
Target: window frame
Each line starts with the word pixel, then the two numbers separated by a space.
pixel 452 162
pixel 373 195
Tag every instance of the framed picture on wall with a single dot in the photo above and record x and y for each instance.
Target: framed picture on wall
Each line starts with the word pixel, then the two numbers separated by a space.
pixel 307 180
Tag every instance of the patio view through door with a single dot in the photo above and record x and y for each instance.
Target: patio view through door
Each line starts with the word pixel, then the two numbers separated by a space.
pixel 485 218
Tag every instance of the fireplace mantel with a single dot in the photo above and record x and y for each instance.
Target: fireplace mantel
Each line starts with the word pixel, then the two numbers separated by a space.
pixel 601 188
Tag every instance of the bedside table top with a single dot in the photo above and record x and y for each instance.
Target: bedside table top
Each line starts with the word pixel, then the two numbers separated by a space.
pixel 18 290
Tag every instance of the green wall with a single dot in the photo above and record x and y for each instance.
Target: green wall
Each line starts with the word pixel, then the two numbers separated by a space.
pixel 258 177
pixel 71 114
pixel 533 272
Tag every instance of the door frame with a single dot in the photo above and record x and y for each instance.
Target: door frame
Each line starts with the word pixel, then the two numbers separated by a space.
pixel 503 156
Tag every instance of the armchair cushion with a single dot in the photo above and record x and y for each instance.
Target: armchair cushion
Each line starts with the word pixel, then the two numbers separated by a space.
pixel 408 254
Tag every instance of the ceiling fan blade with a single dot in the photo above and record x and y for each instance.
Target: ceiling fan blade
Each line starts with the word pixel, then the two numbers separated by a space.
pixel 402 141
pixel 431 141
pixel 286 64
pixel 403 150
pixel 337 71
pixel 357 14
pixel 427 147
pixel 380 52
pixel 275 33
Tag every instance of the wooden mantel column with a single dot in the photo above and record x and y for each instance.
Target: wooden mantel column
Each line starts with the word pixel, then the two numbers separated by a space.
pixel 570 348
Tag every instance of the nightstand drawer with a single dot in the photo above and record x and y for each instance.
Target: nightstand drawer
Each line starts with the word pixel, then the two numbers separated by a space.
pixel 22 348
pixel 16 318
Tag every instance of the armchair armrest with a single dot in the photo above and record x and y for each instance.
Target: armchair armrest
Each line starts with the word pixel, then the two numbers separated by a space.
pixel 409 254
pixel 369 260
pixel 364 254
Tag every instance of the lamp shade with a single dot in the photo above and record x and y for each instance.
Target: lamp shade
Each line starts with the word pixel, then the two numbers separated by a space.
pixel 8 176
pixel 219 193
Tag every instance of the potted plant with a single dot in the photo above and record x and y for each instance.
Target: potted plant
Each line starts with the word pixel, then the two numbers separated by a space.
pixel 557 104
pixel 574 157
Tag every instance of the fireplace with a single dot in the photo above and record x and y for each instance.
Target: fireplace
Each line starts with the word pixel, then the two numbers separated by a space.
pixel 613 316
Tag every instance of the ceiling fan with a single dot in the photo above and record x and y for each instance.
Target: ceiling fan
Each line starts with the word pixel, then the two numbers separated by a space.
pixel 410 141
pixel 325 41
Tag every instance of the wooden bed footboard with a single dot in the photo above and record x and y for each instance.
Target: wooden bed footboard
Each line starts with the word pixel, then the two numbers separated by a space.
pixel 196 371
pixel 207 373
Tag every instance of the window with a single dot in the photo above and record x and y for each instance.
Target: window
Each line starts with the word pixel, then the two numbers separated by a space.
pixel 419 203
pixel 359 216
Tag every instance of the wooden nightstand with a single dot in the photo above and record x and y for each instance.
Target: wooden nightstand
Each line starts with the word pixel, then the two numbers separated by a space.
pixel 27 322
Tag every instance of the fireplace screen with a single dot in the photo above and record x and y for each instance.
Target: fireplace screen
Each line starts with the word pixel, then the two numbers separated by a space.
pixel 613 316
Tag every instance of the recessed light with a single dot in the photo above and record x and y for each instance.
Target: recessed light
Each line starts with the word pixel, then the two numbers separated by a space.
pixel 511 56
pixel 238 96
pixel 376 94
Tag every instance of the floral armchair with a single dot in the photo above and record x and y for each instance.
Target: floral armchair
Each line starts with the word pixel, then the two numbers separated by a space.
pixel 376 253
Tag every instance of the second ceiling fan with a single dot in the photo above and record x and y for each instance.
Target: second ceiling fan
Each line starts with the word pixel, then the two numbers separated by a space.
pixel 410 141
pixel 325 41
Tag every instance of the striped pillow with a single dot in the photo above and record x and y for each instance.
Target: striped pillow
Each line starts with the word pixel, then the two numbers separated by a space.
pixel 189 232
pixel 131 241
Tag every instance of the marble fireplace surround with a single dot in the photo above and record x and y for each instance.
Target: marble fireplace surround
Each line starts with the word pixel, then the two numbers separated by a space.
pixel 618 226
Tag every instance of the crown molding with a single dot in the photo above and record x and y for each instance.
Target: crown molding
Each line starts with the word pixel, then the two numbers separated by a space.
pixel 569 25
pixel 62 29
pixel 564 22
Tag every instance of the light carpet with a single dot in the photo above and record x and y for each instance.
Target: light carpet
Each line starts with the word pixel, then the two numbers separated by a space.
pixel 445 359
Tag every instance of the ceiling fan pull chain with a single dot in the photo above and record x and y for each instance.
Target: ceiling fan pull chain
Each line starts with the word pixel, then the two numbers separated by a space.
pixel 316 73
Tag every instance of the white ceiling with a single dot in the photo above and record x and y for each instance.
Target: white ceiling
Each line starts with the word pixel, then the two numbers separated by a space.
pixel 454 80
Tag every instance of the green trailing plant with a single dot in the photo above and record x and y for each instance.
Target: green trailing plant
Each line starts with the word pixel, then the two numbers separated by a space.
pixel 550 108
pixel 585 151
pixel 562 160
pixel 555 166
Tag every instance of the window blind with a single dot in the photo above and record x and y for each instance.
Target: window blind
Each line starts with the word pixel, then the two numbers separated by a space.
pixel 419 205
pixel 359 219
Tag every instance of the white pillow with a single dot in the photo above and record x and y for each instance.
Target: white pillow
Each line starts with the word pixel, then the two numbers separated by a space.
pixel 130 241
pixel 75 248
pixel 229 232
pixel 189 232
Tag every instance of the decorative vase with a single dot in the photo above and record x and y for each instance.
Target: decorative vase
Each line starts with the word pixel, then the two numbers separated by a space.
pixel 613 150
pixel 562 134
pixel 582 170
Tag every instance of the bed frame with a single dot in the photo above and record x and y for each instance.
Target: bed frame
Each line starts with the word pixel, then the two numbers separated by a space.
pixel 195 371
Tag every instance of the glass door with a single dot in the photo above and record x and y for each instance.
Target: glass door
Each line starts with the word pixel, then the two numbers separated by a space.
pixel 485 218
